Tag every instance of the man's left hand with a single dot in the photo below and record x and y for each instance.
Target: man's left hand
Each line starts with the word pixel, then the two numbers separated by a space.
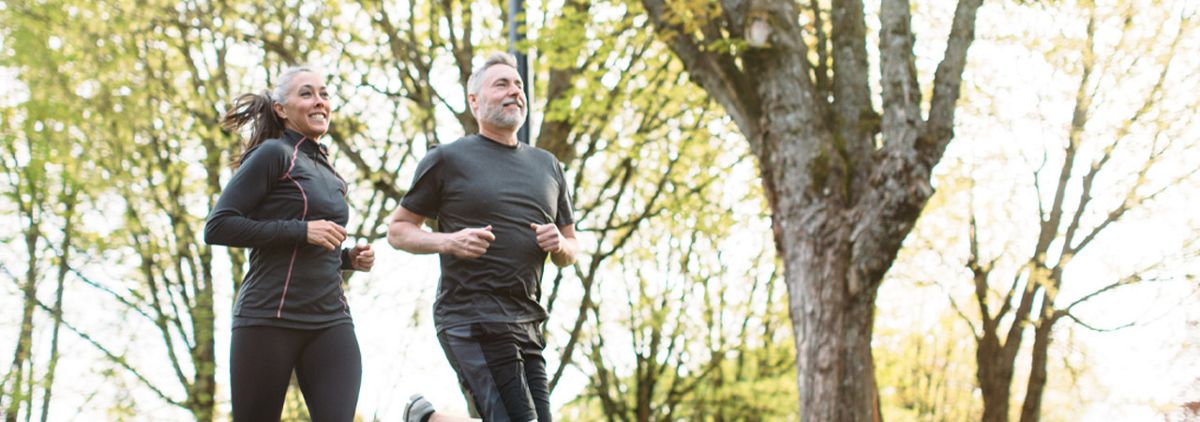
pixel 548 237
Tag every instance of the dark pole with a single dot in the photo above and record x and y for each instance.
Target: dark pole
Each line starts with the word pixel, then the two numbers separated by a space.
pixel 516 19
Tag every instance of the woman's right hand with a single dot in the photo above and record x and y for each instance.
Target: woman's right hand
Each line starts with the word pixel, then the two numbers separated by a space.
pixel 326 234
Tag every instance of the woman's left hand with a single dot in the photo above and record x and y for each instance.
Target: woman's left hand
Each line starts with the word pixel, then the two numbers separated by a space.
pixel 362 258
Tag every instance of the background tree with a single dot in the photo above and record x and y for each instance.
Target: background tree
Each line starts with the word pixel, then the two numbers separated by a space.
pixel 845 182
pixel 924 369
pixel 1082 193
pixel 49 189
pixel 1100 152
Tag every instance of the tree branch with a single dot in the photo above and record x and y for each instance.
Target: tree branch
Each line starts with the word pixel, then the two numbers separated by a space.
pixel 821 70
pixel 716 73
pixel 1094 328
pixel 1124 281
pixel 939 128
pixel 901 94
pixel 857 120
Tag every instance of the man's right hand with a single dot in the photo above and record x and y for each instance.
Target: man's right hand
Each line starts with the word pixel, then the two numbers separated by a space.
pixel 326 234
pixel 469 243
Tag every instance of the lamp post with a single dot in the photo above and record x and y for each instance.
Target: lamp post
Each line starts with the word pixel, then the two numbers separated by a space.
pixel 516 13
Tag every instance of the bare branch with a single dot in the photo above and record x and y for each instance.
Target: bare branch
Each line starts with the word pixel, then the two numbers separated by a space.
pixel 1097 329
pixel 1124 281
pixel 1152 99
pixel 851 90
pixel 1079 117
pixel 958 310
pixel 901 94
pixel 947 80
pixel 980 274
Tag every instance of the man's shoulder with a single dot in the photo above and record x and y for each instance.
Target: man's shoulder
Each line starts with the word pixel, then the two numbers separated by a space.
pixel 542 158
pixel 458 146
pixel 544 154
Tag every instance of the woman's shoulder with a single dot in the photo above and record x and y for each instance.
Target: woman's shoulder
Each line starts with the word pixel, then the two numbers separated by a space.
pixel 271 148
pixel 278 145
pixel 271 155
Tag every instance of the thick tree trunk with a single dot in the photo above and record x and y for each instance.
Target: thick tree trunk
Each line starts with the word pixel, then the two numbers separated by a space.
pixel 833 327
pixel 805 178
pixel 995 374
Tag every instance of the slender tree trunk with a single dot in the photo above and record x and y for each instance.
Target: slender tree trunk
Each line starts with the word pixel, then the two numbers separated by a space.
pixel 1031 410
pixel 20 367
pixel 204 385
pixel 57 311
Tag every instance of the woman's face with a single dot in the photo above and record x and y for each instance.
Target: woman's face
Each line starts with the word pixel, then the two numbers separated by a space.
pixel 306 109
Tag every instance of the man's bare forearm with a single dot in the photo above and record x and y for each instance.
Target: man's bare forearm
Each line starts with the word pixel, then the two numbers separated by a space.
pixel 408 237
pixel 567 254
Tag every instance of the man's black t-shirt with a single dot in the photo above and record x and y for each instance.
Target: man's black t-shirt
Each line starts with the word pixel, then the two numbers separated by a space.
pixel 473 183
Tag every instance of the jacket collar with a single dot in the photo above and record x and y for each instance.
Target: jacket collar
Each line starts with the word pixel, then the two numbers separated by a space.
pixel 307 145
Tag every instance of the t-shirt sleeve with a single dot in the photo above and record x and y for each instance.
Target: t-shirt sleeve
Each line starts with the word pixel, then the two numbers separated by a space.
pixel 425 195
pixel 230 224
pixel 566 214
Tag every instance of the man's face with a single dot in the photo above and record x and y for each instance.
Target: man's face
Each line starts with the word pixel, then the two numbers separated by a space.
pixel 501 100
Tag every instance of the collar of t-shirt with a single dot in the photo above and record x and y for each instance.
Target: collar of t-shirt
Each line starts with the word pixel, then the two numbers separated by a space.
pixel 498 143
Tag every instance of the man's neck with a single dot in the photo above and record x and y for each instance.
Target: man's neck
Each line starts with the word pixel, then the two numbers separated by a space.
pixel 500 136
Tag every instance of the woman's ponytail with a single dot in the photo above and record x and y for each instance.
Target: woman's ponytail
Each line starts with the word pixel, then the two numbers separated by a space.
pixel 256 110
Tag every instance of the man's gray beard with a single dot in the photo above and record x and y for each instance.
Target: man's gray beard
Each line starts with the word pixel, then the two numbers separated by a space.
pixel 497 117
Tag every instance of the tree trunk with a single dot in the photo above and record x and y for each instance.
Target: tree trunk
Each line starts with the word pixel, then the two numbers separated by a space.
pixel 20 368
pixel 995 374
pixel 830 356
pixel 1031 410
pixel 68 230
pixel 202 400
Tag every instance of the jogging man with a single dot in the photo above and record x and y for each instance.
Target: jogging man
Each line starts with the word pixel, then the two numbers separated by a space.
pixel 501 207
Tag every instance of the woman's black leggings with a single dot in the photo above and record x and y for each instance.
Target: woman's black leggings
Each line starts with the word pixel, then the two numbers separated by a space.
pixel 327 362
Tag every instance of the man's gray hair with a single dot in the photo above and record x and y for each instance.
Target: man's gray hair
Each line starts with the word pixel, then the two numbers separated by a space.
pixel 284 83
pixel 475 82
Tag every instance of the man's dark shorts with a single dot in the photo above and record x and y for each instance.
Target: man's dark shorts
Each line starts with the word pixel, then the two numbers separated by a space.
pixel 501 367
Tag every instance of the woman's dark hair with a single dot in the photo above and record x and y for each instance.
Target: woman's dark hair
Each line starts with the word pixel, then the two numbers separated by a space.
pixel 258 110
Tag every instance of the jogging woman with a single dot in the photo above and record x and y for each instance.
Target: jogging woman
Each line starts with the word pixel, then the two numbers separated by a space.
pixel 287 204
